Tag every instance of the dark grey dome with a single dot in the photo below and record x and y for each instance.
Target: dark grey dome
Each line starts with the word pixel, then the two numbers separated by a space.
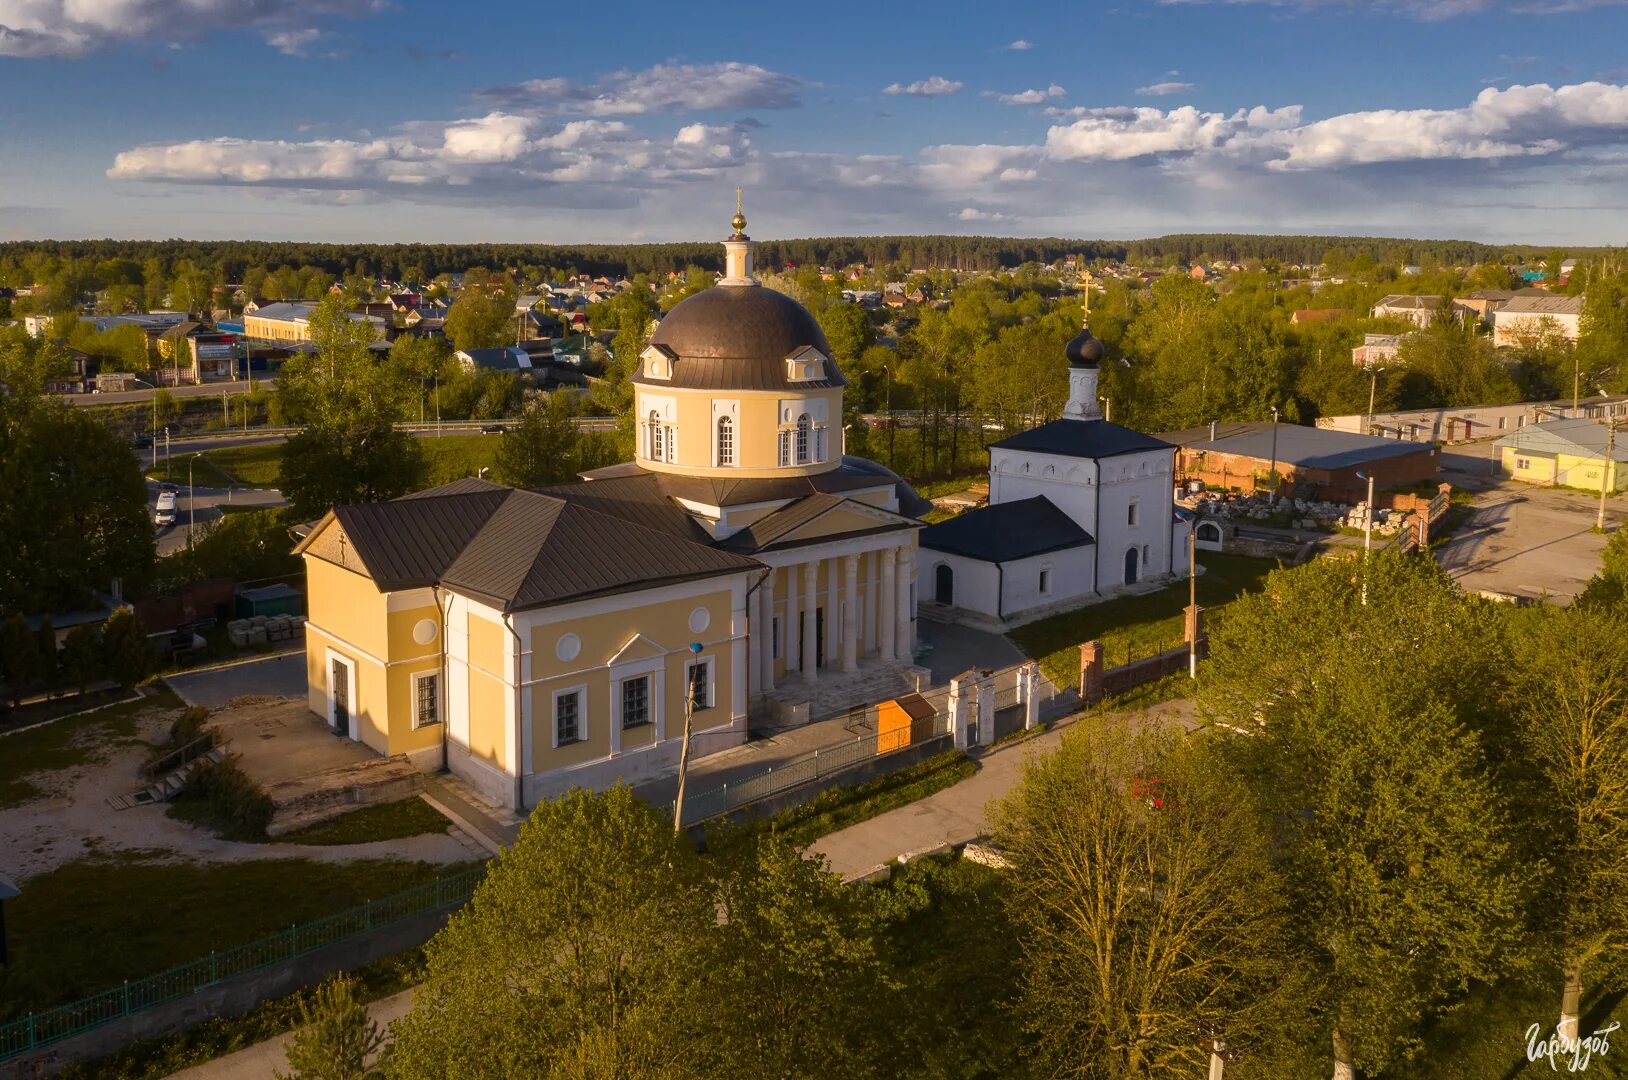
pixel 1084 351
pixel 738 336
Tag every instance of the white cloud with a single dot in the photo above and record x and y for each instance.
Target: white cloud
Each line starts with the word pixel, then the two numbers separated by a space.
pixel 1123 134
pixel 663 88
pixel 1521 121
pixel 1162 89
pixel 934 86
pixel 1424 10
pixel 1028 97
pixel 67 28
pixel 972 213
pixel 292 42
pixel 1018 46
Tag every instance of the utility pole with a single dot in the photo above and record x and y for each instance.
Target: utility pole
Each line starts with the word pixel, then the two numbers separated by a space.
pixel 154 400
pixel 191 511
pixel 1192 597
pixel 1373 385
pixel 1272 494
pixel 1608 473
pixel 684 750
pixel 1576 379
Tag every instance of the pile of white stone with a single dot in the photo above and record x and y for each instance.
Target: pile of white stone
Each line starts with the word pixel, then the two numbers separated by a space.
pixel 1386 522
pixel 264 629
pixel 1304 513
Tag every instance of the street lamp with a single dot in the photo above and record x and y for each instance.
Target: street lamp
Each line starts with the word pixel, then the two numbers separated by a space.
pixel 1367 533
pixel 1192 597
pixel 684 750
pixel 191 513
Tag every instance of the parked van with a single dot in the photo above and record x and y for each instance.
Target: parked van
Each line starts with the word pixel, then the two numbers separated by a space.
pixel 164 512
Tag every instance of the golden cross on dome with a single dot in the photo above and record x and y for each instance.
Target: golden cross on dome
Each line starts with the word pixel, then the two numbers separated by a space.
pixel 740 219
pixel 1088 297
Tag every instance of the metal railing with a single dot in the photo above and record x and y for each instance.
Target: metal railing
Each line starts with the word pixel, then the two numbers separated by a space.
pixel 816 765
pixel 197 748
pixel 40 1029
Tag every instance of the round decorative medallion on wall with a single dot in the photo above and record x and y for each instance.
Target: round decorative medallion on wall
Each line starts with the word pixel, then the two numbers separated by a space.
pixel 568 647
pixel 424 631
pixel 700 619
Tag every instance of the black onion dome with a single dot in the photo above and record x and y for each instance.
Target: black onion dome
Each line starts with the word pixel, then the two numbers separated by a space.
pixel 739 336
pixel 1084 351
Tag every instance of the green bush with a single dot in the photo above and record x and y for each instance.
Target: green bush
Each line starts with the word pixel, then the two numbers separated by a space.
pixel 189 725
pixel 224 798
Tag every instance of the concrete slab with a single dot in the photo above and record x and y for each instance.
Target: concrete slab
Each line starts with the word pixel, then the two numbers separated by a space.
pixel 947 649
pixel 280 676
pixel 280 741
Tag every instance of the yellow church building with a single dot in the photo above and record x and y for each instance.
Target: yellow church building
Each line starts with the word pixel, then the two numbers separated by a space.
pixel 537 640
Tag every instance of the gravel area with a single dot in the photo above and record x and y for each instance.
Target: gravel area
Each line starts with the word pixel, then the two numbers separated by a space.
pixel 72 820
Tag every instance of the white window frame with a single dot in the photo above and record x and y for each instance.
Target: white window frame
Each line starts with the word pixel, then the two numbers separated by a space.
pixel 821 443
pixel 724 442
pixel 581 692
pixel 802 438
pixel 652 700
pixel 785 447
pixel 440 699
pixel 711 696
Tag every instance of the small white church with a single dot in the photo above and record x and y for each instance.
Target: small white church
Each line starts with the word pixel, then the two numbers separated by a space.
pixel 1080 509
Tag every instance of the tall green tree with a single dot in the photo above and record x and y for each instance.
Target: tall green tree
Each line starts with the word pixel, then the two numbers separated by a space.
pixel 542 447
pixel 1355 724
pixel 576 957
pixel 481 318
pixel 22 665
pixel 127 651
pixel 1148 906
pixel 1572 702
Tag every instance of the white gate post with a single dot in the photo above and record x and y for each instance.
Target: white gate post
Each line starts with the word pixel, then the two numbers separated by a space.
pixel 986 707
pixel 960 709
pixel 1028 687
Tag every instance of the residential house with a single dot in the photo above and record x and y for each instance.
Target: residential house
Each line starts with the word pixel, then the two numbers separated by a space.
pixel 1377 349
pixel 508 358
pixel 1526 319
pixel 1419 310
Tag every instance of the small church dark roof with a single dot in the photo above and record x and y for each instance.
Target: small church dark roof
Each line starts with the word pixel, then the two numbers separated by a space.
pixel 1082 438
pixel 1006 532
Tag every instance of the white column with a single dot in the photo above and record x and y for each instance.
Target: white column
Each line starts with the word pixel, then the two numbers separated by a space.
pixel 763 633
pixel 793 621
pixel 833 612
pixel 811 572
pixel 904 645
pixel 986 708
pixel 887 609
pixel 872 615
pixel 850 612
pixel 1029 682
pixel 961 709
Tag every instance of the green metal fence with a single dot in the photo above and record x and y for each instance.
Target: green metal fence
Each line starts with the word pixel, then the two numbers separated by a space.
pixel 826 761
pixel 65 1021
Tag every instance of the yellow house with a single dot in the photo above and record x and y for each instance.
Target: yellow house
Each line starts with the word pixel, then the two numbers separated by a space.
pixel 290 321
pixel 534 641
pixel 1566 453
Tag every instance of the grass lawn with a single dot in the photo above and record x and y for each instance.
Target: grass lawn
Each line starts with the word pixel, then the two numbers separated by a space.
pixel 92 923
pixel 448 457
pixel 387 821
pixel 63 744
pixel 1138 625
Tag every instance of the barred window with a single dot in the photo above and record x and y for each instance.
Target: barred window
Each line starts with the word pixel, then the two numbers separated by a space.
pixel 802 439
pixel 785 448
pixel 656 451
pixel 428 701
pixel 635 702
pixel 568 718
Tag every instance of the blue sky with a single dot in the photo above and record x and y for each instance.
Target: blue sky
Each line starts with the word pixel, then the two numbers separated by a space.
pixel 391 120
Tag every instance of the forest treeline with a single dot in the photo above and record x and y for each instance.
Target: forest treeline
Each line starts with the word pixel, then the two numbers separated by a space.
pixel 229 260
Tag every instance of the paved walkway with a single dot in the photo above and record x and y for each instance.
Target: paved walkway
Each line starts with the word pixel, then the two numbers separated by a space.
pixel 956 814
pixel 281 675
pixel 263 1060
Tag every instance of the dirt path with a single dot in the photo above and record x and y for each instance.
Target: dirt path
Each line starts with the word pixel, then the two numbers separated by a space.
pixel 72 820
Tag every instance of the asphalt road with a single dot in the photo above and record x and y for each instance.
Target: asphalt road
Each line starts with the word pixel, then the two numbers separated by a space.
pixel 133 397
pixel 1522 540
pixel 202 507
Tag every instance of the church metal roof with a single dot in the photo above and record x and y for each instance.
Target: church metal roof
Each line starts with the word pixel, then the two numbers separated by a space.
pixel 1006 532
